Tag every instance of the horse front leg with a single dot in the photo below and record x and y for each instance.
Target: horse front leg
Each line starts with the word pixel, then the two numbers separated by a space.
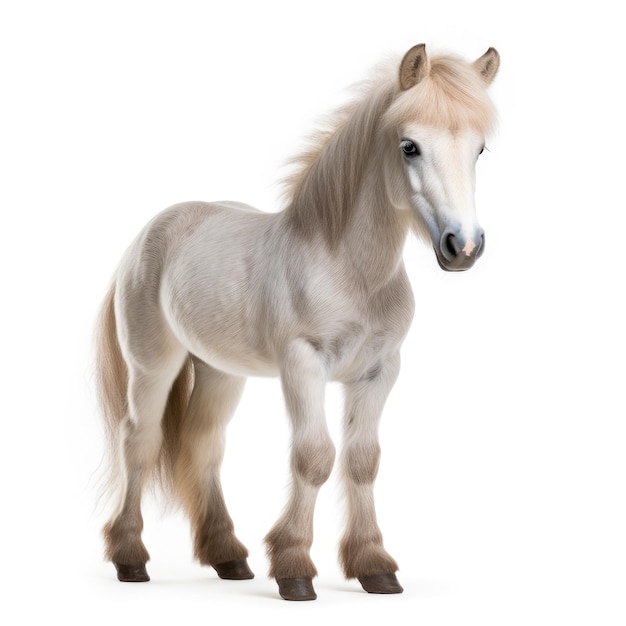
pixel 361 550
pixel 312 456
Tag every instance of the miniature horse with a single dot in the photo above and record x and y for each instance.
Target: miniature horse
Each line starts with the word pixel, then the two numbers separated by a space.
pixel 210 293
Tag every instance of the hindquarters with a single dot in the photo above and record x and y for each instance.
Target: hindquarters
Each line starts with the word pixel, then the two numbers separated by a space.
pixel 165 415
pixel 143 371
pixel 145 335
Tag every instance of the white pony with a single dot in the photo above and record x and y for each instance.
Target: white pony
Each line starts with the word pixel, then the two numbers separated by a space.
pixel 210 293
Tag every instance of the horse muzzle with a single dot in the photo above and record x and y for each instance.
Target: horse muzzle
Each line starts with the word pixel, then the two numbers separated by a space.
pixel 456 253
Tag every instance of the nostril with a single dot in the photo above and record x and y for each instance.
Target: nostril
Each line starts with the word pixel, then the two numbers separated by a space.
pixel 481 245
pixel 450 246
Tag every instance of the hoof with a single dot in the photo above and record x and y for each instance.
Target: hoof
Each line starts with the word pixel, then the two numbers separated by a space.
pixel 381 583
pixel 296 589
pixel 132 573
pixel 234 570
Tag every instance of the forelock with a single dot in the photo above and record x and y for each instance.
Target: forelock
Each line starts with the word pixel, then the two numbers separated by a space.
pixel 452 96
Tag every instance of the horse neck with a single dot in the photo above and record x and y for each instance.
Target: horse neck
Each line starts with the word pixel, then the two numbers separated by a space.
pixel 326 189
pixel 374 239
pixel 340 195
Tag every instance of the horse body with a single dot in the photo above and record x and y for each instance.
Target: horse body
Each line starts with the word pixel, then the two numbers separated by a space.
pixel 210 293
pixel 203 268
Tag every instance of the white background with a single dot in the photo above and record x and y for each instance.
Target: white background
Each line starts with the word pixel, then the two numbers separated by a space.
pixel 501 489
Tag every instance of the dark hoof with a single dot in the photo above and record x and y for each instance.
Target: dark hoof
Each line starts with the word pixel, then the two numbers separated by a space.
pixel 296 589
pixel 132 573
pixel 234 570
pixel 381 583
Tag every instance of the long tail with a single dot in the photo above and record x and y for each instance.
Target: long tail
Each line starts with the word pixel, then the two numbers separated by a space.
pixel 111 370
pixel 112 384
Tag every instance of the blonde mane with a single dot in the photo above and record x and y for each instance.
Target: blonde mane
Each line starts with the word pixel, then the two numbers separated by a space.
pixel 326 183
pixel 325 186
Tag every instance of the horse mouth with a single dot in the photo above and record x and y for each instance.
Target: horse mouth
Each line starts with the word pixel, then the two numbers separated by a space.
pixel 460 263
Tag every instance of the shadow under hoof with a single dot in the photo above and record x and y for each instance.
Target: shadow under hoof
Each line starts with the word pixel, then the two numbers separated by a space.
pixel 234 570
pixel 131 573
pixel 381 583
pixel 296 589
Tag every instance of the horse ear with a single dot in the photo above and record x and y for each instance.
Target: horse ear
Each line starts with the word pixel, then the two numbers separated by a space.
pixel 488 65
pixel 414 67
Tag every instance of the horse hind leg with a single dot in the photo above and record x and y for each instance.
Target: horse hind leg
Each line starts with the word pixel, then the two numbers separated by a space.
pixel 140 445
pixel 199 449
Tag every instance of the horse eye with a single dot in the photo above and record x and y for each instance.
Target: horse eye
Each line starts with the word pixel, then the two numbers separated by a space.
pixel 481 150
pixel 409 149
